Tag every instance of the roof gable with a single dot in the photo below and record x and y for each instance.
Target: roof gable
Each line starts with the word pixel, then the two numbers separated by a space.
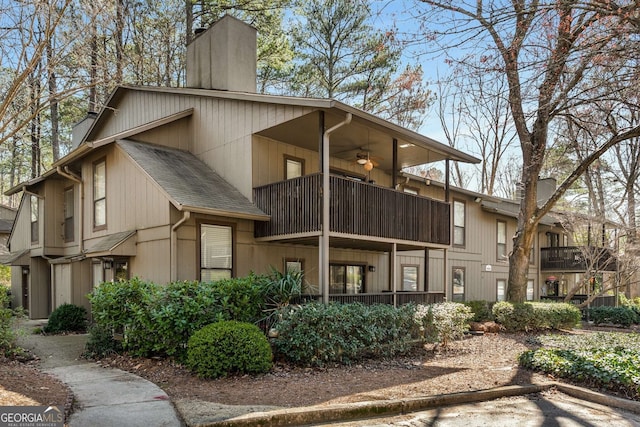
pixel 189 183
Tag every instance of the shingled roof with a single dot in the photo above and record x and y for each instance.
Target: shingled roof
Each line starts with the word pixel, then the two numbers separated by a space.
pixel 189 183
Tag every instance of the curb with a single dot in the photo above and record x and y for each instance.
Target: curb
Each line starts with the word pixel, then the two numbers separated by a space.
pixel 596 397
pixel 359 410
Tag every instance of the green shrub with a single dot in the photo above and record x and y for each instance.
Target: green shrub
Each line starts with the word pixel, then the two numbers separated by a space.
pixel 316 334
pixel 7 335
pixel 481 310
pixel 114 305
pixel 67 318
pixel 100 343
pixel 228 347
pixel 535 316
pixel 240 299
pixel 623 316
pixel 5 297
pixel 278 290
pixel 444 322
pixel 158 320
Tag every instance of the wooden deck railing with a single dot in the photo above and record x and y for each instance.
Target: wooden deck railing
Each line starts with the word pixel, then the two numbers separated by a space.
pixel 402 298
pixel 575 258
pixel 355 208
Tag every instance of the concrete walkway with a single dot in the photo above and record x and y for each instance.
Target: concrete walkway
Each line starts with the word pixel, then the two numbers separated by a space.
pixel 104 397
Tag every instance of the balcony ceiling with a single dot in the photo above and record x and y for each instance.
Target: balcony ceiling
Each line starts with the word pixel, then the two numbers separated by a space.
pixel 364 134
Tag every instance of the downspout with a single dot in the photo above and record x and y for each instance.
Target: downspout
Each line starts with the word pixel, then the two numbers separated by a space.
pixel 77 179
pixel 174 245
pixel 324 241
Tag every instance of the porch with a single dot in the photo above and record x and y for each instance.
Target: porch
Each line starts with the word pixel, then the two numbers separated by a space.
pixel 356 208
pixel 391 298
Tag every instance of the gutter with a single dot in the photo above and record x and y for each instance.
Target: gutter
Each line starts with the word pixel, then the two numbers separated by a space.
pixel 324 246
pixel 174 244
pixel 78 180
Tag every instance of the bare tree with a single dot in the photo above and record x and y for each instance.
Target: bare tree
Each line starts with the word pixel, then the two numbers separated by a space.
pixel 551 54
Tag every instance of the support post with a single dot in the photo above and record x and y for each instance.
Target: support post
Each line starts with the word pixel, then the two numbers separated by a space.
pixel 324 239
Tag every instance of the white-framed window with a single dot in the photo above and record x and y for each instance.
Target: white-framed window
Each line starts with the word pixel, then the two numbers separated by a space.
pixel 530 293
pixel 100 194
pixel 35 218
pixel 410 277
pixel 501 290
pixel 459 223
pixel 216 252
pixel 501 238
pixel 293 167
pixel 69 209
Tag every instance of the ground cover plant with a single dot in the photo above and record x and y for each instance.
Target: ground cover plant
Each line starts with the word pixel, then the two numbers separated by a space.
pixel 604 359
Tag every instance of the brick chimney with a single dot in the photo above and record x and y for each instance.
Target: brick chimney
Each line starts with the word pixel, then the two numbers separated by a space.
pixel 223 57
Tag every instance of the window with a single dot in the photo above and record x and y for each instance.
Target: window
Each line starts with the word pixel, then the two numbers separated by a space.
pixel 501 292
pixel 216 252
pixel 346 279
pixel 458 284
pixel 99 194
pixel 553 240
pixel 530 284
pixel 68 215
pixel 120 270
pixel 532 255
pixel 459 223
pixel 501 237
pixel 410 277
pixel 411 190
pixel 35 215
pixel 98 273
pixel 293 167
pixel 294 265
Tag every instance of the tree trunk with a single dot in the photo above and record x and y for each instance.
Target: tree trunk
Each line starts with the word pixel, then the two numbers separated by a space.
pixel 53 103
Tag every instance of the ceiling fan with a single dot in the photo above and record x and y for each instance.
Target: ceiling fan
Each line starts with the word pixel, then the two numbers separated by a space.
pixel 367 161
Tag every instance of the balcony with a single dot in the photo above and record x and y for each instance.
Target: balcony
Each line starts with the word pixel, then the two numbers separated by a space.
pixel 577 259
pixel 356 207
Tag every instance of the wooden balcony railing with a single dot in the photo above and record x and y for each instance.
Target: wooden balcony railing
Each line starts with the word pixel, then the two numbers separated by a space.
pixel 355 208
pixel 402 298
pixel 574 258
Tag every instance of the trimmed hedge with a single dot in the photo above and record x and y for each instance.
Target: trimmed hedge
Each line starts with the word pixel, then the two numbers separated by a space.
pixel 228 347
pixel 623 316
pixel 536 316
pixel 67 318
pixel 316 334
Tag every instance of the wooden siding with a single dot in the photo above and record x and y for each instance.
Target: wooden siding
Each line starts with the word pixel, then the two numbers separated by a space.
pixel 20 238
pixel 134 201
pixel 221 129
pixel 268 162
pixel 356 208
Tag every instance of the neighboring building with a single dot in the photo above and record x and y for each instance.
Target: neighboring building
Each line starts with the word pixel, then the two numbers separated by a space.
pixel 482 239
pixel 7 216
pixel 200 183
